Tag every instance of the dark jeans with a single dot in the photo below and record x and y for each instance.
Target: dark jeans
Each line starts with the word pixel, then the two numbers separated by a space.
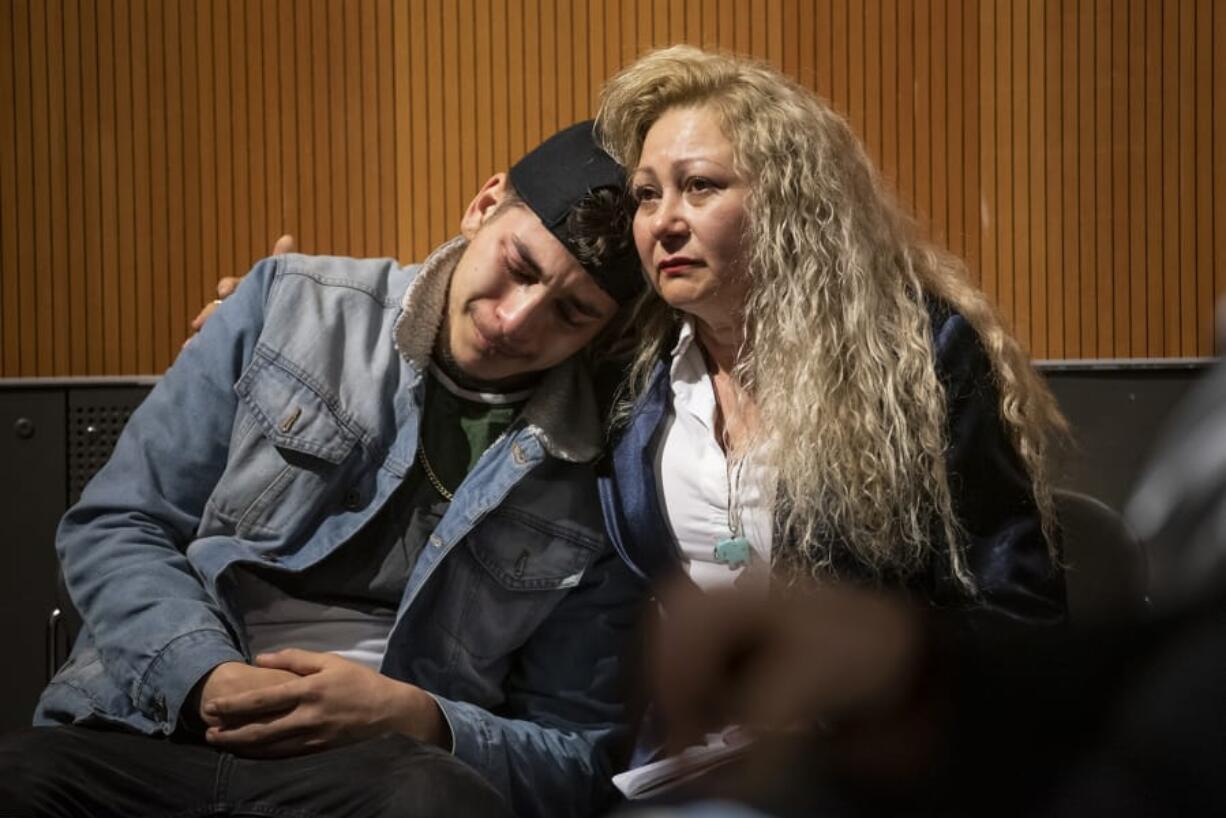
pixel 75 771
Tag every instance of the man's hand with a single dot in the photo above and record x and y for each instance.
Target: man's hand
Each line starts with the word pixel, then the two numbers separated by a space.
pixel 330 702
pixel 227 286
pixel 234 678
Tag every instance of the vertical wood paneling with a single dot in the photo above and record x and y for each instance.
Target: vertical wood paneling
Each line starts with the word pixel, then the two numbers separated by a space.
pixel 1035 269
pixel 988 102
pixel 351 179
pixel 825 48
pixel 888 159
pixel 565 39
pixel 1053 82
pixel 466 170
pixel 223 119
pixel 108 127
pixel 203 189
pixel 515 108
pixel 1069 129
pixel 1137 261
pixel 855 65
pixel 1170 178
pixel 298 122
pixel 906 103
pixel 253 173
pixel 710 24
pixel 1121 280
pixel 1005 163
pixel 581 55
pixel 26 273
pixel 10 230
pixel 872 77
pixel 39 125
pixel 922 132
pixel 74 171
pixel 126 272
pixel 953 181
pixel 418 202
pixel 383 165
pixel 1070 152
pixel 274 115
pixel 139 316
pixel 155 245
pixel 1104 195
pixel 1153 175
pixel 970 28
pixel 938 141
pixel 402 117
pixel 313 70
pixel 337 117
pixel 1219 154
pixel 1019 269
pixel 56 138
pixel 1202 262
pixel 533 92
pixel 1186 80
pixel 1087 215
pixel 183 212
pixel 236 93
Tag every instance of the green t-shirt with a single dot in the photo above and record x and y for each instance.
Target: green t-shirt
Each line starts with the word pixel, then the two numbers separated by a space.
pixel 457 429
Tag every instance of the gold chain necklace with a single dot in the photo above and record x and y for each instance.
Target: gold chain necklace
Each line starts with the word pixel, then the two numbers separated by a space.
pixel 430 475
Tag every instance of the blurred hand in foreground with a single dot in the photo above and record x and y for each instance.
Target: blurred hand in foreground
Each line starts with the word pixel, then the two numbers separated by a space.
pixel 813 657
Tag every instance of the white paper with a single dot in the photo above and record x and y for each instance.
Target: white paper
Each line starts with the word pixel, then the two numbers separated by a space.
pixel 671 771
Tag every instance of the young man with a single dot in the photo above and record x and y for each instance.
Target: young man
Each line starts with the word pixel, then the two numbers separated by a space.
pixel 355 523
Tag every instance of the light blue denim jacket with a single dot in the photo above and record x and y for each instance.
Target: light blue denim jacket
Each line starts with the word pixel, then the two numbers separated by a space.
pixel 276 435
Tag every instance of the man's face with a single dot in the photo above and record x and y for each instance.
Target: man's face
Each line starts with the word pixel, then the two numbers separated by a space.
pixel 518 302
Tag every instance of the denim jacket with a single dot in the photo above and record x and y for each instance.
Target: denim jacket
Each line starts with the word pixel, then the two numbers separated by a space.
pixel 993 498
pixel 278 433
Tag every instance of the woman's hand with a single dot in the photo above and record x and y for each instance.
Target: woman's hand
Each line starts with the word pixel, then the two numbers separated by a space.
pixel 226 287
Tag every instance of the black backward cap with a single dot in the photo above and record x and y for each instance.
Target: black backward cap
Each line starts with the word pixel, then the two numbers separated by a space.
pixel 557 175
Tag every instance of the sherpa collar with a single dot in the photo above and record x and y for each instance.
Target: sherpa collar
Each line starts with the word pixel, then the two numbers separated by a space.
pixel 562 410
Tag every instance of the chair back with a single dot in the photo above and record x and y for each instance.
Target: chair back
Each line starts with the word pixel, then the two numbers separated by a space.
pixel 1106 563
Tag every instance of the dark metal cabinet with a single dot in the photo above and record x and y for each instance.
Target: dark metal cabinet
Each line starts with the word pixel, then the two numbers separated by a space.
pixel 54 434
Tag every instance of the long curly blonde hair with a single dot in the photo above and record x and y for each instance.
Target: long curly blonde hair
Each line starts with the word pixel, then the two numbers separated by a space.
pixel 838 355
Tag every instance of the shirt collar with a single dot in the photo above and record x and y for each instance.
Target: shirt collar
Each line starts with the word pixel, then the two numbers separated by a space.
pixel 693 392
pixel 685 339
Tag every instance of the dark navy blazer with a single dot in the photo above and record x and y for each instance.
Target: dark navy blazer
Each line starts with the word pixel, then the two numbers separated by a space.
pixel 992 494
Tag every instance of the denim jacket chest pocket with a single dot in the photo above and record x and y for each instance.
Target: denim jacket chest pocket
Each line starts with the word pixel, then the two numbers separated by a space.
pixel 288 450
pixel 511 571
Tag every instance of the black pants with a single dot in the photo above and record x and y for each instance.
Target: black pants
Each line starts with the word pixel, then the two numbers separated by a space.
pixel 75 771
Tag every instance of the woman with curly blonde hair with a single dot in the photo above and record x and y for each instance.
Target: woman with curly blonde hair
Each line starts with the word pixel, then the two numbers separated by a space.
pixel 818 391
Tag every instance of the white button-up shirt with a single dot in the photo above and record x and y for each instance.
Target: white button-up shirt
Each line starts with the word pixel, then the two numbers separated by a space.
pixel 692 473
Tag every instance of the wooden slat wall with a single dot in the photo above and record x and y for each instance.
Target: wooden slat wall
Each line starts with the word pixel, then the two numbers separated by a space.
pixel 1071 152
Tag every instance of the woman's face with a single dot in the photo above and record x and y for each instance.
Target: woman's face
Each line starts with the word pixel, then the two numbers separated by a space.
pixel 690 223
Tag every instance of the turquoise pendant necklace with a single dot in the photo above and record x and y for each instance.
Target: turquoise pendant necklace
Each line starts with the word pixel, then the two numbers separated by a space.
pixel 734 551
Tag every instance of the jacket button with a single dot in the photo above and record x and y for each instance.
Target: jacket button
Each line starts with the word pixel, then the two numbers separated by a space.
pixel 353 499
pixel 287 423
pixel 436 541
pixel 518 455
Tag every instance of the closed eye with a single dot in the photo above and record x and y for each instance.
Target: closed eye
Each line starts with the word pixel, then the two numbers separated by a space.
pixel 569 315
